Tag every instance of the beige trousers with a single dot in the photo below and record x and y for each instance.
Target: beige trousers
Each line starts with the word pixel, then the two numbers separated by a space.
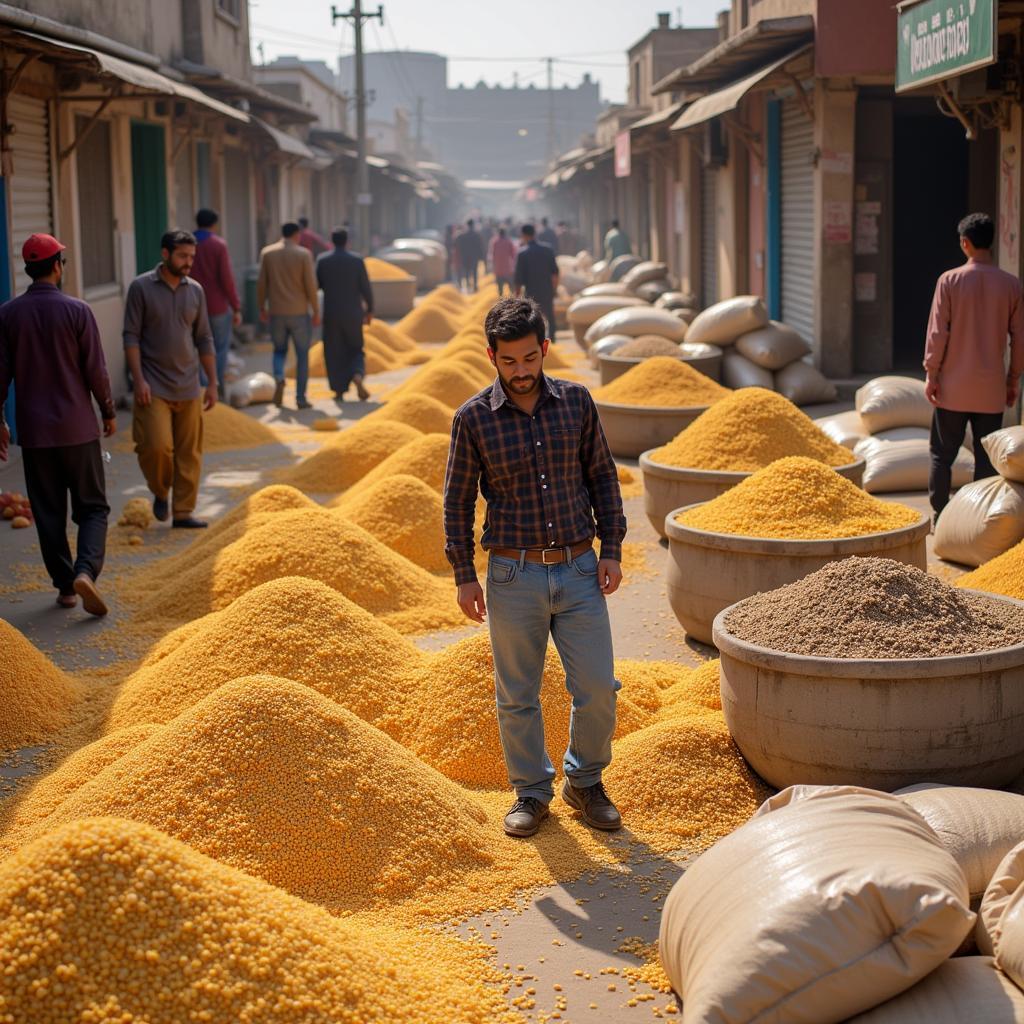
pixel 169 443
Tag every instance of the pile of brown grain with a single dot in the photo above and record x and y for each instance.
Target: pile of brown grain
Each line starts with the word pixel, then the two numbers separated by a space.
pixel 875 608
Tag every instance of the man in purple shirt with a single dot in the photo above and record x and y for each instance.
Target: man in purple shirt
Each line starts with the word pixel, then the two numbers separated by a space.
pixel 50 349
pixel 212 269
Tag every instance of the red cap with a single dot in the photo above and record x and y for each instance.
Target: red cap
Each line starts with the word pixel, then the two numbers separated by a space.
pixel 40 247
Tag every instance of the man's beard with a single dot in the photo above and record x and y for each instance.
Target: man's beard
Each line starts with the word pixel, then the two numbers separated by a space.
pixel 521 385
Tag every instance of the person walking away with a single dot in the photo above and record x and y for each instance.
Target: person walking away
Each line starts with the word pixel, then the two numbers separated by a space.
pixel 502 259
pixel 974 309
pixel 471 252
pixel 309 239
pixel 167 337
pixel 348 305
pixel 568 243
pixel 212 269
pixel 537 275
pixel 616 242
pixel 534 447
pixel 287 284
pixel 547 235
pixel 449 251
pixel 50 350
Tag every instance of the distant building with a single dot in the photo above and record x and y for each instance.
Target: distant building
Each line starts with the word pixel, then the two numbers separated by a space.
pixel 481 133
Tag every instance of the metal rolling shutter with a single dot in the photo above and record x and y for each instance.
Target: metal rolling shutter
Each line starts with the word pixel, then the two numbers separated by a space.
pixel 237 214
pixel 708 236
pixel 798 219
pixel 29 185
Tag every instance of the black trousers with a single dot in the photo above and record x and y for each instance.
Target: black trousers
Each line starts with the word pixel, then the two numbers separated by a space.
pixel 51 474
pixel 948 431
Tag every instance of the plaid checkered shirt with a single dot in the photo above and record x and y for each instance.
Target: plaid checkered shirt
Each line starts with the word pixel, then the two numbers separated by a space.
pixel 548 478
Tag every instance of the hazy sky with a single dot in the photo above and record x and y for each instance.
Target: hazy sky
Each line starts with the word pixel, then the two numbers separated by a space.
pixel 484 39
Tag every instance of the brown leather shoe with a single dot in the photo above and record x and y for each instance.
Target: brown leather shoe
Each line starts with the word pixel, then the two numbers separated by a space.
pixel 85 588
pixel 594 804
pixel 524 817
pixel 364 395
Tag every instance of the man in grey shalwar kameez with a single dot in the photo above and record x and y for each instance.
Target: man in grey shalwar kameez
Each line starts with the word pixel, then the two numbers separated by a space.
pixel 348 305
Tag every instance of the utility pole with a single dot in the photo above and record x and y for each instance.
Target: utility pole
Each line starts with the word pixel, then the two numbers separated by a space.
pixel 551 110
pixel 419 128
pixel 364 198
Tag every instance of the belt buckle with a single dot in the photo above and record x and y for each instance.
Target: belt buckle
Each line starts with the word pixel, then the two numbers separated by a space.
pixel 553 561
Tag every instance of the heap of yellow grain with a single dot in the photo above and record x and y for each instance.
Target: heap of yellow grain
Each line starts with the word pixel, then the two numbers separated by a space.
pixel 665 382
pixel 798 498
pixel 748 430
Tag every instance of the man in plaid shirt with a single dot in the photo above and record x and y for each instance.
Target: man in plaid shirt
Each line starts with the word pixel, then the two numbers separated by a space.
pixel 535 449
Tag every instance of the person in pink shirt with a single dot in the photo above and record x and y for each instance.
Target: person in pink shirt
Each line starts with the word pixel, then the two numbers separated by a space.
pixel 969 380
pixel 310 240
pixel 502 258
pixel 212 269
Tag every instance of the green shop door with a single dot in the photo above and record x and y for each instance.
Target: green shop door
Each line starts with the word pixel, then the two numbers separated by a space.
pixel 149 187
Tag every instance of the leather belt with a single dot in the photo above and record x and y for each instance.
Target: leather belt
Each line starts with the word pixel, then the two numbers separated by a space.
pixel 545 556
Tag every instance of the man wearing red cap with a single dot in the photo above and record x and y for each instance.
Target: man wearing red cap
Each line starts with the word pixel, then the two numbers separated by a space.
pixel 50 348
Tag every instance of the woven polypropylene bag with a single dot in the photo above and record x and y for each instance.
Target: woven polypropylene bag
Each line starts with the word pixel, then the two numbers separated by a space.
pixel 982 520
pixel 773 347
pixel 979 827
pixel 845 428
pixel 739 372
pixel 724 322
pixel 637 321
pixel 967 990
pixel 1006 450
pixel 822 906
pixel 904 465
pixel 804 384
pixel 887 402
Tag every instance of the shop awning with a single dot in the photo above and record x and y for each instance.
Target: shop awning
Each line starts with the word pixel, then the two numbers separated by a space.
pixel 658 118
pixel 741 53
pixel 286 143
pixel 717 103
pixel 135 74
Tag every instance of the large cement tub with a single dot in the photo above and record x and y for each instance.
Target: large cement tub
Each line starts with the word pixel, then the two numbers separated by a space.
pixel 671 487
pixel 612 367
pixel 879 723
pixel 633 429
pixel 393 298
pixel 708 572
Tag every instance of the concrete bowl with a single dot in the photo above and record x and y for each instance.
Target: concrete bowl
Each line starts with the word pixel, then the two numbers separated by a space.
pixel 881 723
pixel 671 487
pixel 633 429
pixel 708 572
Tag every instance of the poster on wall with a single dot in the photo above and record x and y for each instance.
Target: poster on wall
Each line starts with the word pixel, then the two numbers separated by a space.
pixel 623 155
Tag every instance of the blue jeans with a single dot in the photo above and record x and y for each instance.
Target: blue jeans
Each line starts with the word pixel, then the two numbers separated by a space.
pixel 300 330
pixel 525 603
pixel 220 327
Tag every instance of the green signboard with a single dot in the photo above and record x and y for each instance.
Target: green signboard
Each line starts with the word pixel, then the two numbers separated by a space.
pixel 939 39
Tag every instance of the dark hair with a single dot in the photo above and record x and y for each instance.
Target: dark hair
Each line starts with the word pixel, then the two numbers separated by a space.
pixel 206 218
pixel 303 222
pixel 510 319
pixel 528 231
pixel 38 269
pixel 176 237
pixel 978 229
pixel 469 223
pixel 290 229
pixel 615 223
pixel 544 221
pixel 501 232
pixel 339 236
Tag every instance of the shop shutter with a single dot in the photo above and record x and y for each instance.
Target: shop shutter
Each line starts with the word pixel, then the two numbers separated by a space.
pixel 708 235
pixel 798 219
pixel 29 185
pixel 237 213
